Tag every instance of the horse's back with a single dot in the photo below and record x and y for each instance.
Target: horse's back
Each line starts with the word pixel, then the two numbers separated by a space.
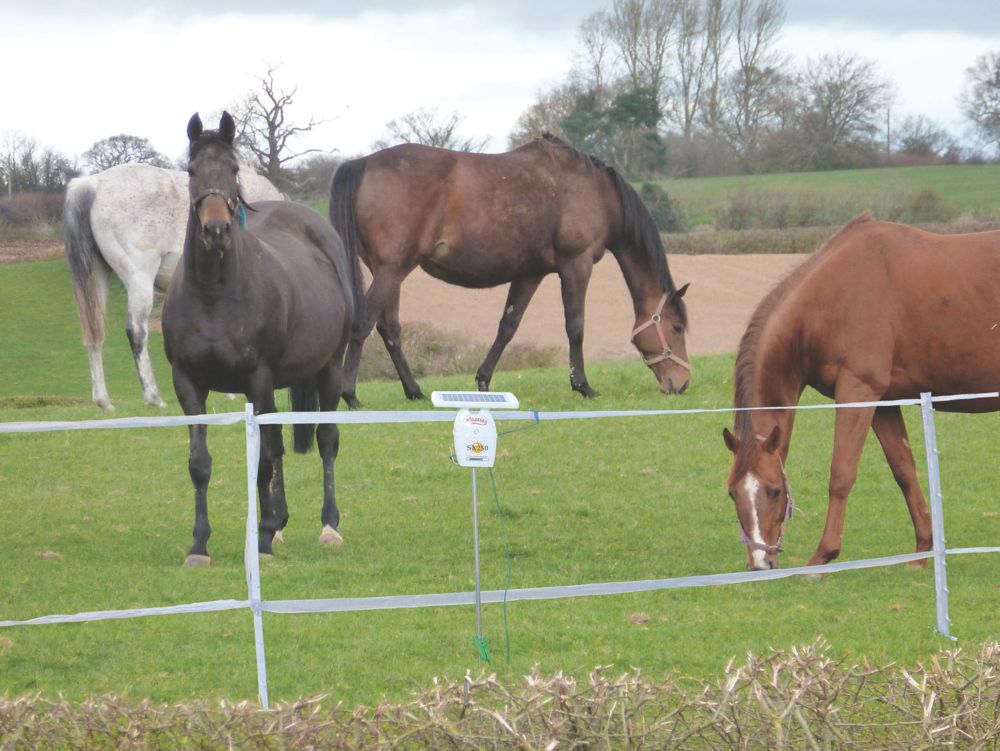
pixel 482 219
pixel 899 306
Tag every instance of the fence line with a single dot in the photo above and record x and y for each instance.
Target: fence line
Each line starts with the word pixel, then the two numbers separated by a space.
pixel 252 563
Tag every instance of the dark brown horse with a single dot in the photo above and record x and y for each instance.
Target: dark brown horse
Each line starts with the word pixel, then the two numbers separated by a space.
pixel 479 220
pixel 252 310
pixel 880 312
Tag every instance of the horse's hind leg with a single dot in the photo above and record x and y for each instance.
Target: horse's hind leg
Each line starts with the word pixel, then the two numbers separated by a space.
pixel 520 294
pixel 389 329
pixel 891 432
pixel 379 291
pixel 91 305
pixel 140 305
pixel 329 383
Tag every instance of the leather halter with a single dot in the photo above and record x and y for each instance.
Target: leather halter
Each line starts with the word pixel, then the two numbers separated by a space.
pixel 667 353
pixel 789 508
pixel 230 202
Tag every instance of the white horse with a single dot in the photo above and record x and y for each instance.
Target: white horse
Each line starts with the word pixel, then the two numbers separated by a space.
pixel 131 220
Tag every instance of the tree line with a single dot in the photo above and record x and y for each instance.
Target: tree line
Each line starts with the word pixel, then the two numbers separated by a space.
pixel 673 88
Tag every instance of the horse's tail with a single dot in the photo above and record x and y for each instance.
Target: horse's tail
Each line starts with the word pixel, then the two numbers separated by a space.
pixel 344 218
pixel 304 399
pixel 84 259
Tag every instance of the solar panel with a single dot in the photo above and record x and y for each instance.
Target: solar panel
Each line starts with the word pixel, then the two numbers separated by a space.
pixel 474 399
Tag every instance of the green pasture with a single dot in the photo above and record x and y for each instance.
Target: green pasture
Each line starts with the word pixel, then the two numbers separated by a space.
pixel 837 195
pixel 101 519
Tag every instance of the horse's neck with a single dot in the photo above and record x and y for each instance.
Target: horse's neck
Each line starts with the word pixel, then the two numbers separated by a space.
pixel 643 282
pixel 769 376
pixel 210 271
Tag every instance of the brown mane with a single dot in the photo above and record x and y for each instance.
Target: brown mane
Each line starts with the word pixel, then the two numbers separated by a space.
pixel 747 353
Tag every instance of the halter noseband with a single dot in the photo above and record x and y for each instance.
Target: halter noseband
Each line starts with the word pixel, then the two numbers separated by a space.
pixel 789 508
pixel 230 202
pixel 667 353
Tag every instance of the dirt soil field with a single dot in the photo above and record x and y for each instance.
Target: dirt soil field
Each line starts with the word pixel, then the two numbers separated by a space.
pixel 724 291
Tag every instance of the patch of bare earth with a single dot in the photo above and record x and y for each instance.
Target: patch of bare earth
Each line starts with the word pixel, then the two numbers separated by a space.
pixel 724 291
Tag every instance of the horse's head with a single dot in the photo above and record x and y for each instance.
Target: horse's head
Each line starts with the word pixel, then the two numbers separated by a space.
pixel 214 184
pixel 759 489
pixel 659 337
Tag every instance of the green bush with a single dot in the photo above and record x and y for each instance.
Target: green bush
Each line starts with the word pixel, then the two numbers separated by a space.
pixel 666 213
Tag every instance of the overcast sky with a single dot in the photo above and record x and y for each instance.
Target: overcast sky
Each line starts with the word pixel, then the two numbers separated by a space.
pixel 76 72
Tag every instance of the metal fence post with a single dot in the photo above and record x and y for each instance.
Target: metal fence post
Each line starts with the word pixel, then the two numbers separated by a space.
pixel 251 558
pixel 937 517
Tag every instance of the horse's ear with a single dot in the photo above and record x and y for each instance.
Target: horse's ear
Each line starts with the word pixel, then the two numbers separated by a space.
pixel 732 442
pixel 227 127
pixel 194 128
pixel 680 293
pixel 771 442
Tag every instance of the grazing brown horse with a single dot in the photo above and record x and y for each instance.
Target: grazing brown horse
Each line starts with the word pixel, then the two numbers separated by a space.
pixel 479 220
pixel 880 312
pixel 251 310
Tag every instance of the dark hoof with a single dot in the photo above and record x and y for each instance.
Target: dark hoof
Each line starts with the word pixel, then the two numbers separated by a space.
pixel 586 392
pixel 416 396
pixel 351 401
pixel 483 384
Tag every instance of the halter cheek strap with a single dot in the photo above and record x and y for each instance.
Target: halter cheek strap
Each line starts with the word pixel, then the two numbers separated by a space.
pixel 789 508
pixel 667 353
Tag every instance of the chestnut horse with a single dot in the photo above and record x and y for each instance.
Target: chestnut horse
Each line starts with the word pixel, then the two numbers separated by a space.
pixel 250 310
pixel 881 311
pixel 479 220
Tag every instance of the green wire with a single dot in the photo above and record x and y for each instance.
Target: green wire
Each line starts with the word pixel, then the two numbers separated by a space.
pixel 506 555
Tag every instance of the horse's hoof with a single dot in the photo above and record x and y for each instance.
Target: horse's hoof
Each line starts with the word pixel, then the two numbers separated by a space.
pixel 105 404
pixel 197 561
pixel 265 557
pixel 279 536
pixel 351 401
pixel 917 565
pixel 330 536
pixel 417 396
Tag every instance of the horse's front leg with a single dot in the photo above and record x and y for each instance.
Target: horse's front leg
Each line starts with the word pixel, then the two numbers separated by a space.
pixel 850 429
pixel 518 296
pixel 329 382
pixel 192 399
pixel 574 278
pixel 271 446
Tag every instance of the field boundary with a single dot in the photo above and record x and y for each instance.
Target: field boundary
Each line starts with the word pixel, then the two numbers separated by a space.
pixel 258 606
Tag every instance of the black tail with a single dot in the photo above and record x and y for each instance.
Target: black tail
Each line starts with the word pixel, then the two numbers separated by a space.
pixel 304 399
pixel 83 254
pixel 344 218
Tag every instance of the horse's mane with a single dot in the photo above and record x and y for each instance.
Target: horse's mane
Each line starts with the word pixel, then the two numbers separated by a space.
pixel 638 228
pixel 746 356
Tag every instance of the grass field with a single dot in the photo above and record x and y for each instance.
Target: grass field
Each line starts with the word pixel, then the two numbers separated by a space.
pixel 101 519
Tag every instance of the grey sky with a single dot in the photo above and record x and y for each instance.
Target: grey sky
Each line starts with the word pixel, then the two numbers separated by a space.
pixel 142 67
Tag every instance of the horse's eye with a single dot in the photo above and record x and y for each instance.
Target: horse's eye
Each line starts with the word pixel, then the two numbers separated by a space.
pixel 732 494
pixel 774 493
pixel 236 168
pixel 678 328
pixel 190 171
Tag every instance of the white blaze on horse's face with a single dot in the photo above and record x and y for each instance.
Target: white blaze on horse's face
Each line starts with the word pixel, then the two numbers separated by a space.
pixel 759 492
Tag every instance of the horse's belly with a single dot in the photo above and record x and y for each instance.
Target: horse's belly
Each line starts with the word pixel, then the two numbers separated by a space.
pixel 483 269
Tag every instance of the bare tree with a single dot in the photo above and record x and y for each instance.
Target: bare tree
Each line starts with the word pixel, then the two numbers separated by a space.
pixel 546 115
pixel 426 127
pixel 26 166
pixel 757 24
pixel 920 136
pixel 844 101
pixel 980 100
pixel 123 149
pixel 265 128
pixel 718 32
pixel 641 32
pixel 593 64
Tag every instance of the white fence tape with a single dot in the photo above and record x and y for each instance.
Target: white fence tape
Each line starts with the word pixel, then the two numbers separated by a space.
pixel 348 604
